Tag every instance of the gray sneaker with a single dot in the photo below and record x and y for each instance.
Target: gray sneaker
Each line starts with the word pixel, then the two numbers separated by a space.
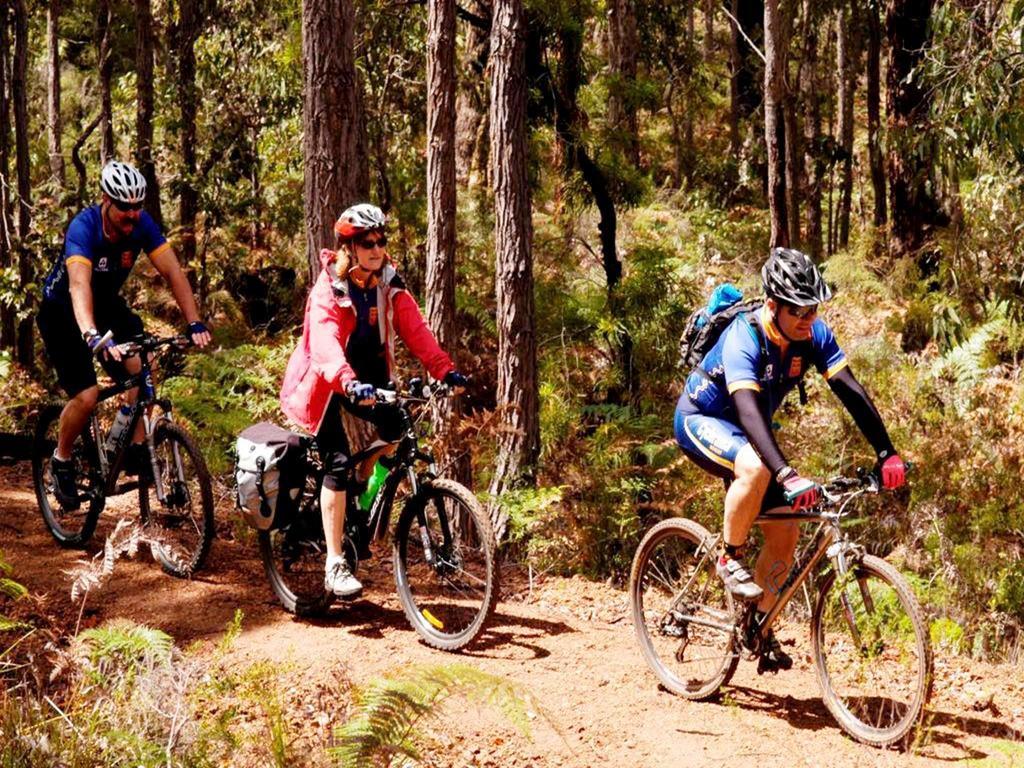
pixel 341 582
pixel 737 579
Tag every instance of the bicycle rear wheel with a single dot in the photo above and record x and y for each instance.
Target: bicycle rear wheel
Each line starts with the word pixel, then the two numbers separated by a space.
pixel 69 528
pixel 445 569
pixel 682 613
pixel 872 652
pixel 182 526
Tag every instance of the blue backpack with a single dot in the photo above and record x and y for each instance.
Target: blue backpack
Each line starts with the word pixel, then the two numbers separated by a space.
pixel 707 323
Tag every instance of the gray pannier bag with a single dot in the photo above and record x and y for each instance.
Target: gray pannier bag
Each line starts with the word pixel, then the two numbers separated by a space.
pixel 269 474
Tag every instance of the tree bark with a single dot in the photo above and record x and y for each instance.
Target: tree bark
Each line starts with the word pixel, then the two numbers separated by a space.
pixel 847 53
pixel 144 106
pixel 19 83
pixel 745 88
pixel 471 106
pixel 794 168
pixel 441 207
pixel 7 312
pixel 336 170
pixel 913 210
pixel 622 60
pixel 875 155
pixel 814 167
pixel 53 123
pixel 774 124
pixel 188 202
pixel 106 67
pixel 517 396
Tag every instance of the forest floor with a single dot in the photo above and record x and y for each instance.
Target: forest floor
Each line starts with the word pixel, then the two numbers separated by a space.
pixel 569 642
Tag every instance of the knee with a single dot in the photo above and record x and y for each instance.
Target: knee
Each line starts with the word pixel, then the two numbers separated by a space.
pixel 750 470
pixel 86 399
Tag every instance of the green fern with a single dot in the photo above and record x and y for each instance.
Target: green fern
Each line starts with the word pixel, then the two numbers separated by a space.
pixel 120 648
pixel 388 710
pixel 12 590
pixel 964 366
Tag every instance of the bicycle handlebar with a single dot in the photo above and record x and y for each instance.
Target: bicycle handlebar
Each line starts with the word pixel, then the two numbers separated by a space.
pixel 146 342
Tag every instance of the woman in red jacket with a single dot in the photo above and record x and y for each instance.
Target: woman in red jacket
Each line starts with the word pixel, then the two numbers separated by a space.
pixel 357 308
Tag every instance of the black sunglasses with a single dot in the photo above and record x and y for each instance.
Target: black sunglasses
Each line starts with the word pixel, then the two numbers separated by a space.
pixel 122 206
pixel 369 243
pixel 801 312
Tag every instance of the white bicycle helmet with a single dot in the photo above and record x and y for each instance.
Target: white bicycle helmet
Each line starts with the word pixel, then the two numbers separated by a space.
pixel 358 219
pixel 123 182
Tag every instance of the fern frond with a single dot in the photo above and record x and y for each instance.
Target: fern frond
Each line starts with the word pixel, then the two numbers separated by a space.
pixel 123 640
pixel 388 710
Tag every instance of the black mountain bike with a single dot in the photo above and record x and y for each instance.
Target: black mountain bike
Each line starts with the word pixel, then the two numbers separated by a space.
pixel 443 550
pixel 175 497
pixel 869 637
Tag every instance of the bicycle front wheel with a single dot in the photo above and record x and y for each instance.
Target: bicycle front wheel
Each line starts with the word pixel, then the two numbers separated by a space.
pixel 872 652
pixel 682 613
pixel 445 569
pixel 181 527
pixel 71 528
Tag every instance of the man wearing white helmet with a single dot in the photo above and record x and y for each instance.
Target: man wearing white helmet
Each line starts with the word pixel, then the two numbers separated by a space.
pixel 82 302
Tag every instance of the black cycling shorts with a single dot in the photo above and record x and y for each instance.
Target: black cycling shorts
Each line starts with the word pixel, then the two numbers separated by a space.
pixel 66 349
pixel 332 442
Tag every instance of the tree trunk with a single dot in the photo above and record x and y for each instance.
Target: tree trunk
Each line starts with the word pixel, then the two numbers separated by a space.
pixel 794 168
pixel 440 284
pixel 53 123
pixel 517 396
pixel 847 53
pixel 685 169
pixel 188 201
pixel 814 167
pixel 774 124
pixel 622 60
pixel 106 67
pixel 471 105
pixel 336 171
pixel 144 106
pixel 7 311
pixel 745 89
pixel 913 209
pixel 874 123
pixel 19 82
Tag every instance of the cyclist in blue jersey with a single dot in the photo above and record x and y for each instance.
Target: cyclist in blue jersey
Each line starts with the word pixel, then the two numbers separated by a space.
pixel 81 303
pixel 723 418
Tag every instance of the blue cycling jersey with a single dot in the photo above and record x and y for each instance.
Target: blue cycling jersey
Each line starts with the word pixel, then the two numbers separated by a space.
pixel 111 262
pixel 738 361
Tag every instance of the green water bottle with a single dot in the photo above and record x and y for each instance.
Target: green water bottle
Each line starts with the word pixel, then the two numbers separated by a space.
pixel 373 484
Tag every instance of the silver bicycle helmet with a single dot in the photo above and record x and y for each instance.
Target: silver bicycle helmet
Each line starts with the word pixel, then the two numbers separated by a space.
pixel 123 182
pixel 358 219
pixel 790 276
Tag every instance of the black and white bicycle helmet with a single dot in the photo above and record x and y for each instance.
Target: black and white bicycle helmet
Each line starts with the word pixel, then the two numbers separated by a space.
pixel 123 182
pixel 358 219
pixel 790 276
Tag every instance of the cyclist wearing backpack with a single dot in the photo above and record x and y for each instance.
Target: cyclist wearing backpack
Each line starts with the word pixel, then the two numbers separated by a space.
pixel 356 309
pixel 723 418
pixel 82 301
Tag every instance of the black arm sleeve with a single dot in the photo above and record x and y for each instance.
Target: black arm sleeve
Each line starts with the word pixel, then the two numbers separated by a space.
pixel 758 430
pixel 865 415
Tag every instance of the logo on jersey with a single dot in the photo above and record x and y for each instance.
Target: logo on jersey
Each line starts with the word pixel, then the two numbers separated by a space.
pixel 127 259
pixel 102 265
pixel 796 365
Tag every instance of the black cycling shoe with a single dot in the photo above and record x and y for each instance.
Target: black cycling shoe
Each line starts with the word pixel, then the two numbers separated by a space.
pixel 773 659
pixel 65 486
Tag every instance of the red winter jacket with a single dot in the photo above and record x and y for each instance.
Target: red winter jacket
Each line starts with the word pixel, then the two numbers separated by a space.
pixel 318 368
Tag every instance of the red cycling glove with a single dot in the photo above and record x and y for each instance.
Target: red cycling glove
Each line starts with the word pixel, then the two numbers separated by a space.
pixel 894 472
pixel 801 492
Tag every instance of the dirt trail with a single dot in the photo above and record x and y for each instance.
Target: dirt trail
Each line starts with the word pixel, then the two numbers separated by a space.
pixel 569 641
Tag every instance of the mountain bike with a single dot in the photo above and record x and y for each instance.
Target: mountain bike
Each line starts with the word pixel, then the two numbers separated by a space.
pixel 175 496
pixel 870 643
pixel 443 550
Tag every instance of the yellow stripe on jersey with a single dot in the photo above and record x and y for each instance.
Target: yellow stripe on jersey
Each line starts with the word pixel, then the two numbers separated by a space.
pixel 163 248
pixel 744 385
pixel 836 368
pixel 77 259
